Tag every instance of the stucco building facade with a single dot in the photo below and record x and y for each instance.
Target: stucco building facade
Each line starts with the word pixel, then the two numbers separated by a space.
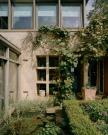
pixel 23 76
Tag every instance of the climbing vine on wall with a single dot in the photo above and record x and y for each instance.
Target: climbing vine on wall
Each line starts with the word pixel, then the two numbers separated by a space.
pixel 59 41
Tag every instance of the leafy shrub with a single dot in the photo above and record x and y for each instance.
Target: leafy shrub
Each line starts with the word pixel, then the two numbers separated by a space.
pixel 79 123
pixel 30 108
pixel 29 126
pixel 97 110
pixel 29 119
pixel 98 113
pixel 102 126
pixel 22 126
pixel 1 114
pixel 49 129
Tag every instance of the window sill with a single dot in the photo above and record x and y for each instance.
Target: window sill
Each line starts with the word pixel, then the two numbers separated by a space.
pixel 34 30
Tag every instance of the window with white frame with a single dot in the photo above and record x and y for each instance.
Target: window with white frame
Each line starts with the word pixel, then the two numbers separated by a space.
pixel 11 56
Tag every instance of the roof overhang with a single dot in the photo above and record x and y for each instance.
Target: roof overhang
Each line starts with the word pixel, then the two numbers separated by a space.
pixel 7 43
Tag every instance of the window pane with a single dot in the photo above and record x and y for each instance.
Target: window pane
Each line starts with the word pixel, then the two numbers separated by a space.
pixel 53 61
pixel 41 89
pixel 22 16
pixel 46 15
pixel 2 50
pixel 3 16
pixel 13 55
pixel 71 16
pixel 41 61
pixel 53 74
pixel 41 75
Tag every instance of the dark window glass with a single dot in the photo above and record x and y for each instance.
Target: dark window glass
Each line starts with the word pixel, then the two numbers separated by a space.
pixel 53 74
pixel 53 61
pixel 2 50
pixel 71 16
pixel 46 15
pixel 22 16
pixel 41 74
pixel 92 73
pixel 13 55
pixel 41 61
pixel 3 16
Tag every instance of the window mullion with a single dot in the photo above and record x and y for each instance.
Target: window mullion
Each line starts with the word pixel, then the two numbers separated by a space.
pixel 47 75
pixel 34 15
pixel 59 13
pixel 9 11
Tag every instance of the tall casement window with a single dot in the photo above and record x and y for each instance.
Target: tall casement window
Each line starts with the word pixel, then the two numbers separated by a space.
pixel 22 16
pixel 47 15
pixel 71 16
pixel 9 67
pixel 3 16
pixel 2 74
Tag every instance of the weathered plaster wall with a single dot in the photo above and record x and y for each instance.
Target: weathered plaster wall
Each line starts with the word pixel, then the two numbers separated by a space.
pixel 27 72
pixel 27 63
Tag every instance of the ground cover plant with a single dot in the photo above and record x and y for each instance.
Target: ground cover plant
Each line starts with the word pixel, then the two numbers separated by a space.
pixel 29 118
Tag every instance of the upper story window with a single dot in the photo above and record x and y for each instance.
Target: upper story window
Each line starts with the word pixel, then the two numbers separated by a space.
pixel 32 14
pixel 22 16
pixel 3 16
pixel 47 15
pixel 71 16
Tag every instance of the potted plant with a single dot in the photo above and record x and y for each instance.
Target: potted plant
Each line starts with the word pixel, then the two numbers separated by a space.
pixel 88 92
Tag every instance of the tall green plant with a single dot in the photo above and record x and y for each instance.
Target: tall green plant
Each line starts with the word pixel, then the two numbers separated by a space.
pixel 94 38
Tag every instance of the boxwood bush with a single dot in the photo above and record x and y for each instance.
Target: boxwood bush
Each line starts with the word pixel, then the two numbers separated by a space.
pixel 97 110
pixel 79 123
pixel 98 113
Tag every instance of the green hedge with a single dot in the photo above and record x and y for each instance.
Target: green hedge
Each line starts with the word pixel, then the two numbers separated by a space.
pixel 98 113
pixel 97 110
pixel 79 123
